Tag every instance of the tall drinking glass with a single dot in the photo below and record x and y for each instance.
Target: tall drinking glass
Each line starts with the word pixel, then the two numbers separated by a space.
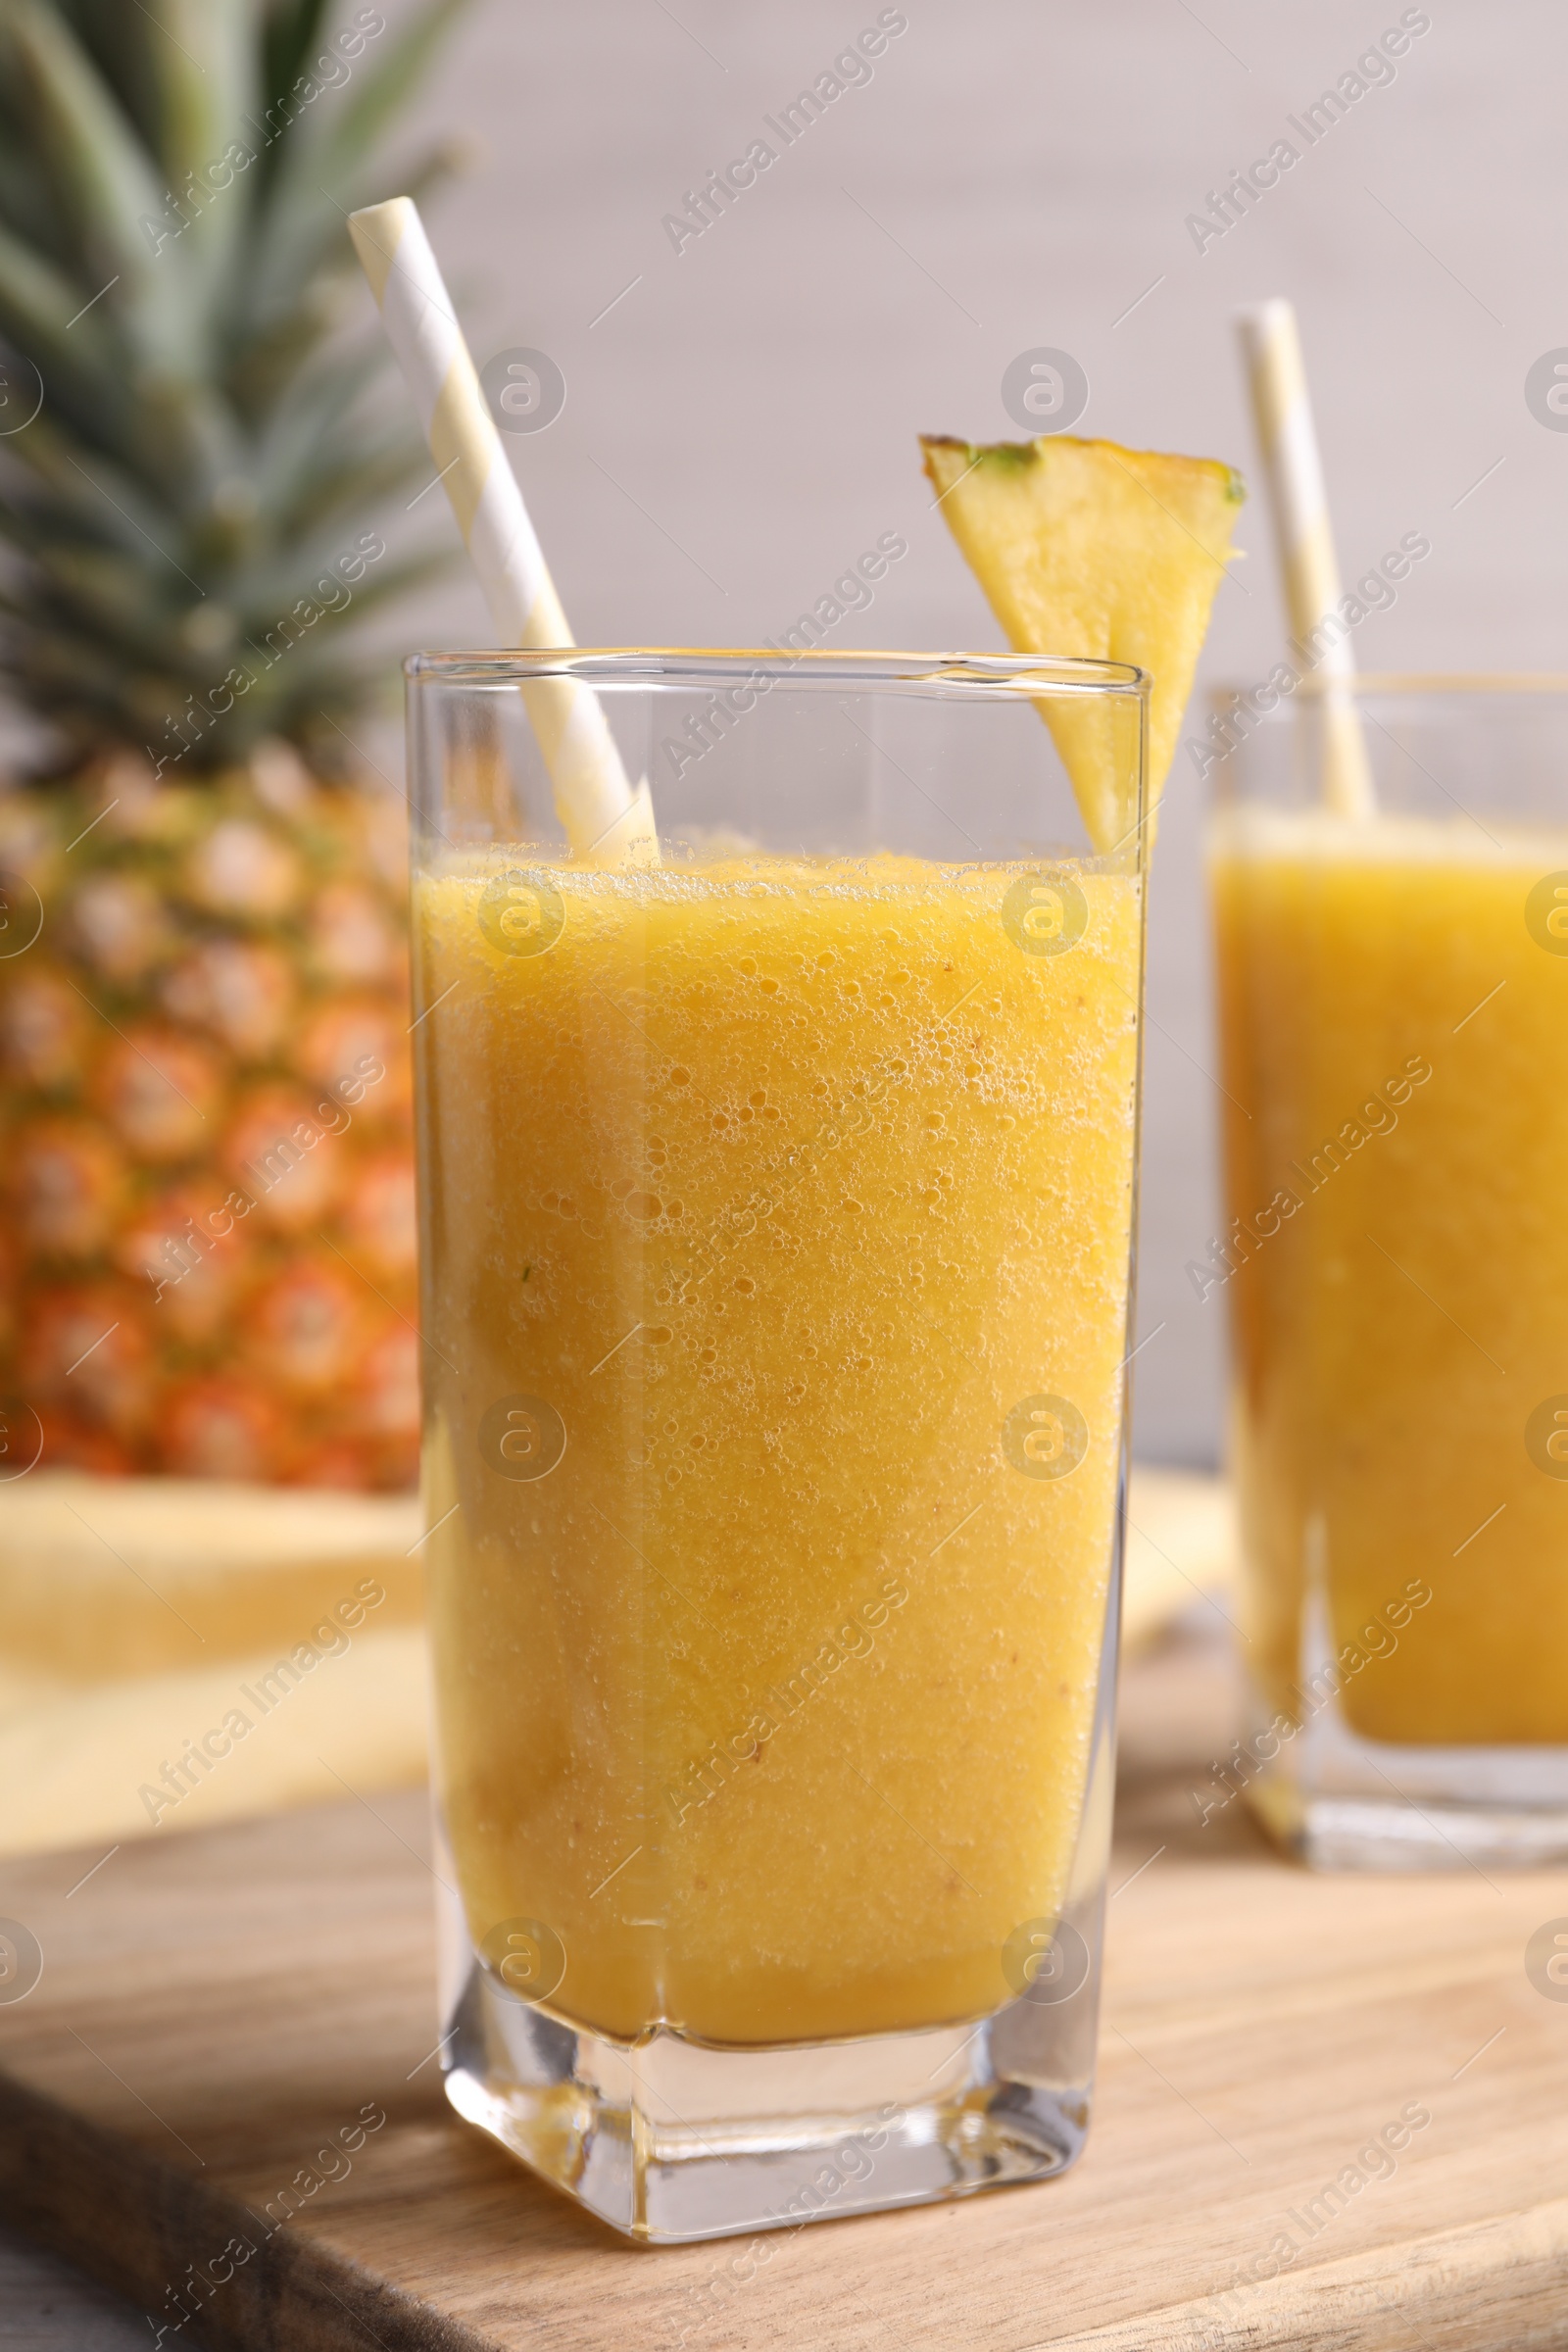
pixel 1393 997
pixel 778 1211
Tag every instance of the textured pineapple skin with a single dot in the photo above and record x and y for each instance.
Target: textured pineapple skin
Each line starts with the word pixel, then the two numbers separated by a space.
pixel 1087 550
pixel 207 1230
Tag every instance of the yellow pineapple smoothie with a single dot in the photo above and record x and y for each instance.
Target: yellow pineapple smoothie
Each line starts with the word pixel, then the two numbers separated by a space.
pixel 779 1216
pixel 1394 1012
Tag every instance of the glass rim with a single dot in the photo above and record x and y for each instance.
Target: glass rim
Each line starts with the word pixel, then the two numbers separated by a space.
pixel 1398 683
pixel 643 666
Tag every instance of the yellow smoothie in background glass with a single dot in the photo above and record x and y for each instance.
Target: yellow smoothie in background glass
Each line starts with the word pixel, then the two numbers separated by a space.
pixel 777 1235
pixel 1394 999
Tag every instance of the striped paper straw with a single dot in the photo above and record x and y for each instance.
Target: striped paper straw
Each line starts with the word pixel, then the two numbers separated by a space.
pixel 1272 349
pixel 606 821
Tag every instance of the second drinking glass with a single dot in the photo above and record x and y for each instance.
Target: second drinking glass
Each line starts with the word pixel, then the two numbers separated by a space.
pixel 1393 994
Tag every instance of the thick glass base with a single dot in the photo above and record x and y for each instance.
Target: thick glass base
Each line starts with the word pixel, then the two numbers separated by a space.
pixel 1344 1802
pixel 1359 1834
pixel 670 2141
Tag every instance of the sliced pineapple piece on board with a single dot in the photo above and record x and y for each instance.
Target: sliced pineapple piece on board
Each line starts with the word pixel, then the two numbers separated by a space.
pixel 1088 550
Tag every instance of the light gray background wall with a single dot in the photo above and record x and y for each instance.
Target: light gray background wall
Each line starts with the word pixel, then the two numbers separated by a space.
pixel 1018 173
pixel 741 423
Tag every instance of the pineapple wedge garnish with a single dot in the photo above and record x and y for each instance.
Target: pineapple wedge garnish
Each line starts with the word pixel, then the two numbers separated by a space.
pixel 1089 550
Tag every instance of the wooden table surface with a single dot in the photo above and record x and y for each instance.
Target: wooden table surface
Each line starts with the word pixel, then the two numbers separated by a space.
pixel 214 2010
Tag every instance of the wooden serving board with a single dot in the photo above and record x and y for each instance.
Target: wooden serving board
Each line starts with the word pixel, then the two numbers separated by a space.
pixel 217 2011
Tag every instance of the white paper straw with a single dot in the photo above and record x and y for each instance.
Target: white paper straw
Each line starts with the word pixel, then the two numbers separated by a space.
pixel 606 821
pixel 1294 469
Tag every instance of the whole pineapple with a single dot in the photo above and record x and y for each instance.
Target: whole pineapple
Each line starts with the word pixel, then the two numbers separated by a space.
pixel 206 1190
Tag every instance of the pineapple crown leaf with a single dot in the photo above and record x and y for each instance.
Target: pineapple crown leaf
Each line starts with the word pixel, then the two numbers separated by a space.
pixel 303 232
pixel 289 36
pixel 206 454
pixel 352 135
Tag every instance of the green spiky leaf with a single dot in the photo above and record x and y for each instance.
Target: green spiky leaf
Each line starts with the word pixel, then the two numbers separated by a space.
pixel 189 516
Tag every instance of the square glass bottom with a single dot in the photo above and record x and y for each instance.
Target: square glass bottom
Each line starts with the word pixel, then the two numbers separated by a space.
pixel 670 2141
pixel 1341 1801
